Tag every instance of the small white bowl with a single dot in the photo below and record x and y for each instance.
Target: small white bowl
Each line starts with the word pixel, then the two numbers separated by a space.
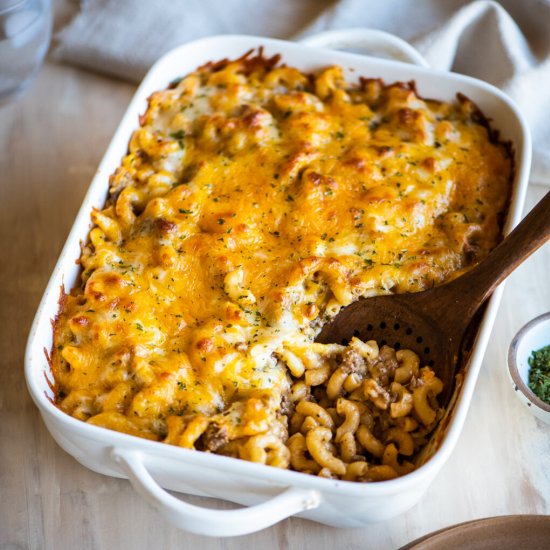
pixel 532 337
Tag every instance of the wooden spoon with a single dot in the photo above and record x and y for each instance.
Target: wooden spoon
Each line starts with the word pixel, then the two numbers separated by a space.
pixel 437 323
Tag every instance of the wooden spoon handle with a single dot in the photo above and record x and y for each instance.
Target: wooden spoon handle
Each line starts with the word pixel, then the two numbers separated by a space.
pixel 525 239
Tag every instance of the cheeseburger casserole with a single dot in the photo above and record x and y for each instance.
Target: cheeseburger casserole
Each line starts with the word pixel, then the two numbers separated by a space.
pixel 254 202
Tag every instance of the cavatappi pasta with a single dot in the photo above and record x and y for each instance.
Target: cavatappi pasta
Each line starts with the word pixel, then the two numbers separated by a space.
pixel 254 202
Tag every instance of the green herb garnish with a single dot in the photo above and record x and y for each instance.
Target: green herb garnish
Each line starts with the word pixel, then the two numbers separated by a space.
pixel 539 373
pixel 180 134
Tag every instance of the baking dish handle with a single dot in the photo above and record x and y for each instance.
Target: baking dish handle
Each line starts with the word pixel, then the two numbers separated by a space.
pixel 368 42
pixel 207 521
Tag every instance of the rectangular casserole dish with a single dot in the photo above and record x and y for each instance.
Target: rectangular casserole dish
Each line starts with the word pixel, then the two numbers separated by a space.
pixel 271 494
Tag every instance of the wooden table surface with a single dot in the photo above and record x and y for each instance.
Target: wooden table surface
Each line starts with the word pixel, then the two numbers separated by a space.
pixel 50 144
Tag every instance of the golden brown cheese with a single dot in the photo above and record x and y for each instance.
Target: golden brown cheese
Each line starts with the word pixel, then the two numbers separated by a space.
pixel 253 203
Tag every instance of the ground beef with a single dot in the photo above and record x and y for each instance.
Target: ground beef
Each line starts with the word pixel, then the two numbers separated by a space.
pixel 385 365
pixel 215 438
pixel 287 408
pixel 352 362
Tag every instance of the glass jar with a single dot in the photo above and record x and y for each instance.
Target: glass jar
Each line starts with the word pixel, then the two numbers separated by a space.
pixel 25 32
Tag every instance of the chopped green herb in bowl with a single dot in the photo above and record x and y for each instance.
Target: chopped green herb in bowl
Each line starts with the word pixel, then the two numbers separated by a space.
pixel 529 366
pixel 539 373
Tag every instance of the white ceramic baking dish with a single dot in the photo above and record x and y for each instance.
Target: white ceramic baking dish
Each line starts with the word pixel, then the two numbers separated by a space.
pixel 268 494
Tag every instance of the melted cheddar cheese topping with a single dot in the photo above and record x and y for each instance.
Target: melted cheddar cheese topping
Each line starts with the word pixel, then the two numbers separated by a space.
pixel 254 202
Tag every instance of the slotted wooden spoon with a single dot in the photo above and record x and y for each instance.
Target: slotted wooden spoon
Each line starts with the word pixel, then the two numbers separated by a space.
pixel 439 324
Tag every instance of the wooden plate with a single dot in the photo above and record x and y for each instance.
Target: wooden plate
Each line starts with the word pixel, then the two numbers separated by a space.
pixel 529 532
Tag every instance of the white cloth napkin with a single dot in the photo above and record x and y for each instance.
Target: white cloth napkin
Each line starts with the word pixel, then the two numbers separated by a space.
pixel 505 43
